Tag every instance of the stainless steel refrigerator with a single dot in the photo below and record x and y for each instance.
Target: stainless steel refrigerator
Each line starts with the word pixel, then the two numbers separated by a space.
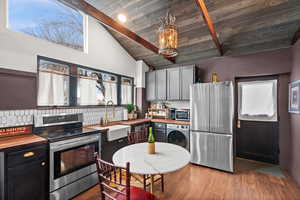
pixel 212 110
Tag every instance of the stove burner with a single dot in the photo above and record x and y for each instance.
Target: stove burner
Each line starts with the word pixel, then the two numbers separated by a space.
pixel 66 127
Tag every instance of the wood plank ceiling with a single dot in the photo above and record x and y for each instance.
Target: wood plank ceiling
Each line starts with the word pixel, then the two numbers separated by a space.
pixel 243 26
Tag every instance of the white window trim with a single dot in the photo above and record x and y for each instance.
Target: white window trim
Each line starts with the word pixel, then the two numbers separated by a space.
pixel 273 118
pixel 85 32
pixel 3 14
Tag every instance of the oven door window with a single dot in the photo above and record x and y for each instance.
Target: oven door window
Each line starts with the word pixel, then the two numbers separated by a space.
pixel 70 160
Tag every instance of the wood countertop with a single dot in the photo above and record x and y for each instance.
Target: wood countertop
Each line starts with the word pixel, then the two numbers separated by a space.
pixel 135 122
pixel 141 121
pixel 169 121
pixel 15 141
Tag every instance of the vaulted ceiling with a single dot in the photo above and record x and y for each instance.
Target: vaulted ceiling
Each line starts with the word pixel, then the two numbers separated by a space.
pixel 243 26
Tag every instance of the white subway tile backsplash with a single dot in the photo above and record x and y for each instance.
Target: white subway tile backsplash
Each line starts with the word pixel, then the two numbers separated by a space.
pixel 91 116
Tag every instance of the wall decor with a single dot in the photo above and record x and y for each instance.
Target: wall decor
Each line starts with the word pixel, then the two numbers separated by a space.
pixel 294 97
pixel 5 132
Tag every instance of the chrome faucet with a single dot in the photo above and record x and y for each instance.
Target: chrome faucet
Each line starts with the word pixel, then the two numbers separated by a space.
pixel 106 119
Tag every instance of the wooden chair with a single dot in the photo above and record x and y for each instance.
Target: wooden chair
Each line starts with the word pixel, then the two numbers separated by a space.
pixel 139 137
pixel 114 187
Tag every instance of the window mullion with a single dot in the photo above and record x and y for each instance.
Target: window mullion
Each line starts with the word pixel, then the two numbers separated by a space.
pixel 73 85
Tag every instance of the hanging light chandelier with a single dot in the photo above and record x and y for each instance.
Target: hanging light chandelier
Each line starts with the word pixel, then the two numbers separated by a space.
pixel 168 36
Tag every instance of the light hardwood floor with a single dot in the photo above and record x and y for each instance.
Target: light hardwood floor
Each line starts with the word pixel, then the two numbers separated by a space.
pixel 200 183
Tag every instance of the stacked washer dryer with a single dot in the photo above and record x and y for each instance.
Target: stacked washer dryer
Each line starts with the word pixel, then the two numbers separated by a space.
pixel 179 135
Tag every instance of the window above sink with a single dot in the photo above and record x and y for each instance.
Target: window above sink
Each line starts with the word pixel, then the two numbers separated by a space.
pixel 66 84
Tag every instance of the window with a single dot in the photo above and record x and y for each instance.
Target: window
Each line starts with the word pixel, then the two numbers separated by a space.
pixel 49 20
pixel 96 88
pixel 66 84
pixel 87 87
pixel 126 90
pixel 53 84
pixel 111 88
pixel 258 100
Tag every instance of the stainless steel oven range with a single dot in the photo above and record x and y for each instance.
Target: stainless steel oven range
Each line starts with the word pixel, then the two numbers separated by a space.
pixel 71 154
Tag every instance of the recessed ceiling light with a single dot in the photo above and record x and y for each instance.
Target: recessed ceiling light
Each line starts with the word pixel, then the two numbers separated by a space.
pixel 122 18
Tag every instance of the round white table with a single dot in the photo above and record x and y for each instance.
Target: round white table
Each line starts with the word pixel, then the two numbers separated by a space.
pixel 168 158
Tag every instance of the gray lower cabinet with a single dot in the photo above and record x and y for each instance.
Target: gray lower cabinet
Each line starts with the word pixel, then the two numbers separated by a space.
pixel 173 91
pixel 161 84
pixel 151 86
pixel 187 76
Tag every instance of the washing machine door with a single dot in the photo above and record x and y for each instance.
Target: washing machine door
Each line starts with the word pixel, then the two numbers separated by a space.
pixel 177 137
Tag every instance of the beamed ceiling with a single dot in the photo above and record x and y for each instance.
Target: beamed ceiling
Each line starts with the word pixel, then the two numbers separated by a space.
pixel 242 26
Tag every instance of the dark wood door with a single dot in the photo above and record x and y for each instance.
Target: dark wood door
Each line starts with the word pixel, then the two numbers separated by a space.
pixel 27 181
pixel 257 139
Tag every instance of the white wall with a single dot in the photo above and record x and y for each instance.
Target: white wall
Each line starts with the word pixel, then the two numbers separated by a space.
pixel 19 51
pixel 141 69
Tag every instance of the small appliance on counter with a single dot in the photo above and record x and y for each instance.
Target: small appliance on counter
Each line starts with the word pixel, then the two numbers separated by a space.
pixel 182 115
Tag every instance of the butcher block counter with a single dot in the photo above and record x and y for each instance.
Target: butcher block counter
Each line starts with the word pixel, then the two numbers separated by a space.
pixel 142 121
pixel 15 141
pixel 169 121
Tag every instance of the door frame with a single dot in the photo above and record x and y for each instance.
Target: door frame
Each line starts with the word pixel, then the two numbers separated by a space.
pixel 236 107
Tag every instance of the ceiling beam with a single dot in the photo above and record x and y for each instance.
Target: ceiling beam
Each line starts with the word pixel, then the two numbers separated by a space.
pixel 211 26
pixel 296 37
pixel 111 23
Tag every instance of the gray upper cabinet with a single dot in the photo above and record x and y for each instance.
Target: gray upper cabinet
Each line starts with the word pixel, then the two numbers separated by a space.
pixel 187 77
pixel 170 84
pixel 173 91
pixel 150 86
pixel 161 84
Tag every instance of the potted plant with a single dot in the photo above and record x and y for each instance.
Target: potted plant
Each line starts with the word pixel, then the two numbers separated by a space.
pixel 130 108
pixel 151 142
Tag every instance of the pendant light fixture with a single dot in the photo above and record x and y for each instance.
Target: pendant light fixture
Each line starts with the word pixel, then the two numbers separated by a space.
pixel 168 36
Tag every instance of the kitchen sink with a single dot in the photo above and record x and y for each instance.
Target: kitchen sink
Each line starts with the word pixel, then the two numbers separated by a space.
pixel 115 132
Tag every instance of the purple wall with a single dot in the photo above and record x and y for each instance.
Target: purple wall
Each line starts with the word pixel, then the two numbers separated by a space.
pixel 266 63
pixel 295 120
pixel 284 122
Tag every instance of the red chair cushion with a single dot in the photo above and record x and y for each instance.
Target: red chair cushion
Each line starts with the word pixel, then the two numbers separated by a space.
pixel 137 194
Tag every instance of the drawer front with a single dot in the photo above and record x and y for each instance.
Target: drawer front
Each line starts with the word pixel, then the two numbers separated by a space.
pixel 29 154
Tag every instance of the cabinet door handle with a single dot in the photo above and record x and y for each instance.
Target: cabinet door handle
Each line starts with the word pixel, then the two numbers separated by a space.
pixel 28 154
pixel 238 124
